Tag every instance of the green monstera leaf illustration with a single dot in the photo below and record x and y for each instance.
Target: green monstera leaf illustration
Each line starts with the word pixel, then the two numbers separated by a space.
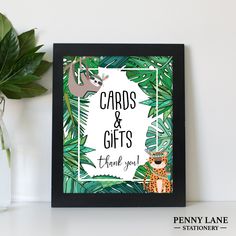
pixel 161 70
pixel 165 136
pixel 151 137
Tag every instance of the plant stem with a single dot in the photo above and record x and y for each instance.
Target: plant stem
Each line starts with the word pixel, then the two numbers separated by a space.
pixel 4 148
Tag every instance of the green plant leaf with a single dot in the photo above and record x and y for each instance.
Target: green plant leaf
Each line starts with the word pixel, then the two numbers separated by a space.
pixel 5 26
pixel 19 61
pixel 144 78
pixel 23 90
pixel 151 139
pixel 125 187
pixel 23 79
pixel 70 114
pixel 141 171
pixel 12 91
pixel 34 49
pixel 71 184
pixel 147 82
pixel 27 41
pixel 152 112
pixel 84 150
pixel 149 102
pixel 9 49
pixel 84 103
pixel 71 152
pixel 108 183
pixel 32 90
pixel 42 68
pixel 28 64
pixel 90 62
pixel 113 61
pixel 83 139
pixel 165 138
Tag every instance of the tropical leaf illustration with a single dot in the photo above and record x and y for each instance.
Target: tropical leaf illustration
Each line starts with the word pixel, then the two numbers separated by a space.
pixel 165 103
pixel 72 185
pixel 113 62
pixel 125 187
pixel 165 137
pixel 70 115
pixel 111 180
pixel 71 151
pixel 147 80
pixel 141 171
pixel 151 135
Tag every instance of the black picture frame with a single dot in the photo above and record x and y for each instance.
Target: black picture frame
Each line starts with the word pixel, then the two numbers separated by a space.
pixel 175 199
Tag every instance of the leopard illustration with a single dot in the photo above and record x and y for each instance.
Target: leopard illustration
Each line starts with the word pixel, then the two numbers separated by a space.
pixel 159 182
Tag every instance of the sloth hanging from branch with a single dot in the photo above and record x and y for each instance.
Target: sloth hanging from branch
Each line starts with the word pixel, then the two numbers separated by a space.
pixel 90 83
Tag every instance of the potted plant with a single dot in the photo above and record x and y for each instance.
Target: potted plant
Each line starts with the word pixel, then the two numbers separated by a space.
pixel 21 67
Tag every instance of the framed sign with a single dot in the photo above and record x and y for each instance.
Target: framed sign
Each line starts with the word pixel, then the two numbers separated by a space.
pixel 118 125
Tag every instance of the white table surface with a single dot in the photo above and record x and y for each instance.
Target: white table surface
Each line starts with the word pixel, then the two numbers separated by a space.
pixel 35 219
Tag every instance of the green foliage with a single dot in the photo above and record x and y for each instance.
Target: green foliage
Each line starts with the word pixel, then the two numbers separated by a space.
pixel 20 64
pixel 5 26
pixel 71 151
pixel 9 49
pixel 42 67
pixel 146 80
pixel 125 187
pixel 165 103
pixel 70 115
pixel 151 135
pixel 26 41
pixel 107 184
pixel 91 62
pixel 165 135
pixel 141 171
pixel 113 61
pixel 71 183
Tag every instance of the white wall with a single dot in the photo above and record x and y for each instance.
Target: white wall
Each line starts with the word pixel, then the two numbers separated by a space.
pixel 207 27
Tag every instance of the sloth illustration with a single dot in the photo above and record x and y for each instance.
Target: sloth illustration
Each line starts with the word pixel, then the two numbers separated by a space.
pixel 90 84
